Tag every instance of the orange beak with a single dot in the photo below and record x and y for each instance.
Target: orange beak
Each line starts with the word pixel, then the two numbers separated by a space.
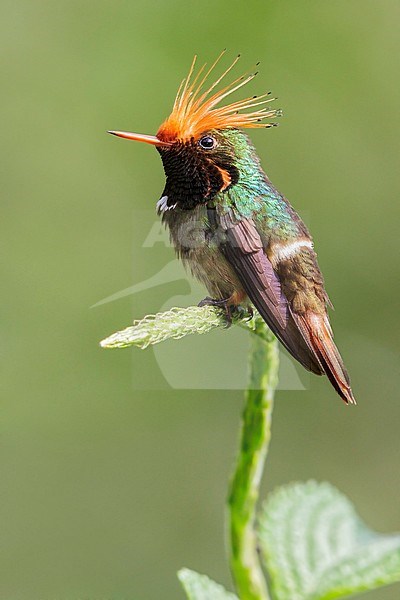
pixel 140 137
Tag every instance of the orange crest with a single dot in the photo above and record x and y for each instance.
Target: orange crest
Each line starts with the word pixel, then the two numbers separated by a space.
pixel 195 111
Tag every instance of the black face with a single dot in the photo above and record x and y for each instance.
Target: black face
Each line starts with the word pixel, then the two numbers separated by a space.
pixel 197 170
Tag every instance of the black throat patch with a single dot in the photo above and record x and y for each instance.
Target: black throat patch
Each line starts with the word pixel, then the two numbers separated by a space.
pixel 192 176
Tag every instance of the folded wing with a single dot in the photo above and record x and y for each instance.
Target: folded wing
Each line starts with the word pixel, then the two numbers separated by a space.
pixel 243 248
pixel 308 337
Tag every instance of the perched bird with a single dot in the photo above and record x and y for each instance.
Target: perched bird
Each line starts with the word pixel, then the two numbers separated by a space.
pixel 232 228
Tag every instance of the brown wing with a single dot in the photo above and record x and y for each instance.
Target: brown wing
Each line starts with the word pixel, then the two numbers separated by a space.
pixel 243 248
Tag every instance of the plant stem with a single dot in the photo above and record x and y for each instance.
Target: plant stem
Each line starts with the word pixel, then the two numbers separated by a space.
pixel 256 431
pixel 245 484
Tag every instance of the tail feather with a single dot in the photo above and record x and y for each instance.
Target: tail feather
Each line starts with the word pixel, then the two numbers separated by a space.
pixel 318 333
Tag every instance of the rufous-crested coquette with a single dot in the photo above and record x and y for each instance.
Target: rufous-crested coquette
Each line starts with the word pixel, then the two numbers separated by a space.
pixel 233 229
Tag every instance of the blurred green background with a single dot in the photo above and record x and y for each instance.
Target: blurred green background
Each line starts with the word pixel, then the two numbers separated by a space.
pixel 110 479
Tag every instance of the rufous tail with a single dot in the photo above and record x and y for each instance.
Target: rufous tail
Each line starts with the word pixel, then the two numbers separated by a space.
pixel 320 338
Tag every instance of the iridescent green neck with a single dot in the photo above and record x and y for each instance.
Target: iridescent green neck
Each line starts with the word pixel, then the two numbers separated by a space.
pixel 253 196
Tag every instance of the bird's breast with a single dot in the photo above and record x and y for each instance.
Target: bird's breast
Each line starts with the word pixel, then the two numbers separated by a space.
pixel 198 245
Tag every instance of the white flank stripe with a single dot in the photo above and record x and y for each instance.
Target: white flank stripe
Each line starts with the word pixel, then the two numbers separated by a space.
pixel 283 252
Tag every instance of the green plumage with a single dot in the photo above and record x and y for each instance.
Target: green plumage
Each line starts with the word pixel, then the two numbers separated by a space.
pixel 243 240
pixel 251 197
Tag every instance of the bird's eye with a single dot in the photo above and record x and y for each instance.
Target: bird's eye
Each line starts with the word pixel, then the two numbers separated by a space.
pixel 207 142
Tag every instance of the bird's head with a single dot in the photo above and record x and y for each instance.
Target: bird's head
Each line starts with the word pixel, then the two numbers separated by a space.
pixel 201 143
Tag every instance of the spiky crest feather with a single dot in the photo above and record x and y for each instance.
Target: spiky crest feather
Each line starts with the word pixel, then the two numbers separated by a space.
pixel 194 111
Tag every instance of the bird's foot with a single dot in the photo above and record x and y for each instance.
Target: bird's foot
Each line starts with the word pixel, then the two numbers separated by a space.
pixel 230 309
pixel 223 303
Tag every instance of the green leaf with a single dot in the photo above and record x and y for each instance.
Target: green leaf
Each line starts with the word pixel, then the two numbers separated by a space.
pixel 316 547
pixel 200 587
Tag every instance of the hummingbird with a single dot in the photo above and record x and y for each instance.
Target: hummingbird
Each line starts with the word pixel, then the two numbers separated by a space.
pixel 232 228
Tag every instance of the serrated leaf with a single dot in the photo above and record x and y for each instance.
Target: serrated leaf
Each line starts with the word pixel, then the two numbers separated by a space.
pixel 200 587
pixel 316 547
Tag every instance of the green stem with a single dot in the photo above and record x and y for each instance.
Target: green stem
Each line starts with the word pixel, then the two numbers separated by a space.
pixel 245 484
pixel 256 432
